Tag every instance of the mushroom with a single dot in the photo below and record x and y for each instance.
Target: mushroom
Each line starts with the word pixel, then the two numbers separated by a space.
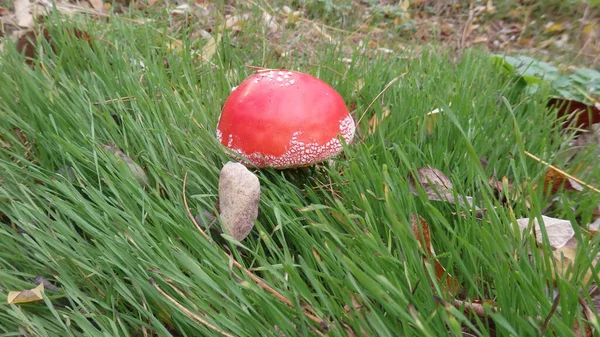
pixel 284 119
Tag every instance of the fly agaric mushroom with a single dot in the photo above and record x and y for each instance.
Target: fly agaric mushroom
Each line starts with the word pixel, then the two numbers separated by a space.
pixel 284 119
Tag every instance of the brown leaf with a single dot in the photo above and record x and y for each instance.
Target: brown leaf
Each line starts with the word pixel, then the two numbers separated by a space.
pixel 136 170
pixel 47 284
pixel 4 143
pixel 26 296
pixel 437 187
pixel 500 188
pixel 575 113
pixel 27 44
pixel 239 197
pixel 556 180
pixel 421 231
pixel 433 179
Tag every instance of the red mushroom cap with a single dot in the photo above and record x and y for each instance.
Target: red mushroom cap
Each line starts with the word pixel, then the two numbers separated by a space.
pixel 284 119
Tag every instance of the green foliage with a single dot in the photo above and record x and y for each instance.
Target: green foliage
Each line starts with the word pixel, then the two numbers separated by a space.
pixel 579 84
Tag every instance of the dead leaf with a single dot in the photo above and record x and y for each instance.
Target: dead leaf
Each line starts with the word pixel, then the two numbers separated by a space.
pixel 47 284
pixel 98 5
pixel 552 27
pixel 594 227
pixel 433 179
pixel 136 170
pixel 27 44
pixel 575 114
pixel 239 197
pixel 404 5
pixel 180 9
pixel 3 11
pixel 26 296
pixel 210 48
pixel 376 120
pixel 555 180
pixel 270 22
pixel 23 13
pixel 438 187
pixel 421 231
pixel 561 237
pixel 500 188
pixel 431 118
pixel 236 23
pixel 206 219
pixel 480 39
pixel 559 231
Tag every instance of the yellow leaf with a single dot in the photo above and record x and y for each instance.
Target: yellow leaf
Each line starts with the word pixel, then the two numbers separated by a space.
pixel 489 7
pixel 210 48
pixel 589 28
pixel 404 5
pixel 375 120
pixel 26 296
pixel 555 27
pixel 174 45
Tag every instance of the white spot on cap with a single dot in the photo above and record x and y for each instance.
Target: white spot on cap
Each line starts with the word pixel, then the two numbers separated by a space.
pixel 303 154
pixel 219 135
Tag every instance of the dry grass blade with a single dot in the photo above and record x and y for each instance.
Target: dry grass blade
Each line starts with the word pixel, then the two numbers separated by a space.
pixel 255 278
pixel 562 172
pixel 387 86
pixel 187 311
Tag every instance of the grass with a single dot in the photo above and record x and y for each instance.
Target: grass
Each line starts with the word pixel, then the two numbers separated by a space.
pixel 338 242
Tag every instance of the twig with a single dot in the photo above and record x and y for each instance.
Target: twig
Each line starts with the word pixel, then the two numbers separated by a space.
pixel 379 95
pixel 188 312
pixel 463 35
pixel 544 325
pixel 562 172
pixel 255 278
pixel 260 69
pixel 121 99
pixel 187 208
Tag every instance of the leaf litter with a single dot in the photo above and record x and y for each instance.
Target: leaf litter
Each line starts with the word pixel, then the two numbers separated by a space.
pixel 26 296
pixel 137 171
pixel 438 187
